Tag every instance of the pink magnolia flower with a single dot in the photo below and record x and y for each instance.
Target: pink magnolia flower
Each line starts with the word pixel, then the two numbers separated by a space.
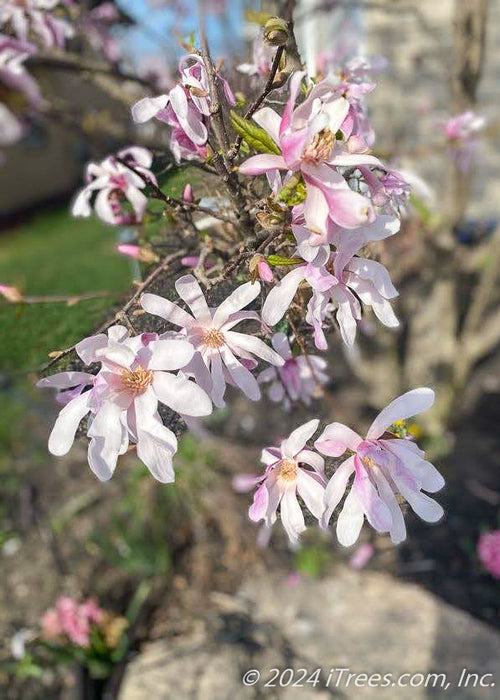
pixel 286 476
pixel 488 550
pixel 186 108
pixel 96 26
pixel 112 181
pixel 382 466
pixel 464 126
pixel 339 285
pixel 13 74
pixel 222 355
pixel 135 374
pixel 462 132
pixel 297 379
pixel 35 16
pixel 307 138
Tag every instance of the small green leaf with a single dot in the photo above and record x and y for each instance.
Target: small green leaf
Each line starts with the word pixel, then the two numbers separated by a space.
pixel 254 135
pixel 276 260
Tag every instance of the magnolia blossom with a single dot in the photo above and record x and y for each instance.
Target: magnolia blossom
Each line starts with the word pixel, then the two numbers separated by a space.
pixel 308 139
pixel 358 279
pixel 299 379
pixel 36 16
pixel 96 25
pixel 13 74
pixel 136 374
pixel 461 132
pixel 285 476
pixel 222 355
pixel 383 466
pixel 488 550
pixel 185 108
pixel 111 181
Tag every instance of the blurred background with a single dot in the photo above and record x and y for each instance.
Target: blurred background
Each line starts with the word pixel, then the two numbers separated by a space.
pixel 191 600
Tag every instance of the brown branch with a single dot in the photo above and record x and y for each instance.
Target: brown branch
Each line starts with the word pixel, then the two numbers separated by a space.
pixel 70 300
pixel 173 201
pixel 122 313
pixel 268 87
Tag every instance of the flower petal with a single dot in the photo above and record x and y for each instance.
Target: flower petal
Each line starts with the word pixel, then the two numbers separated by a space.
pixel 280 297
pixel 65 380
pixel 350 521
pixel 335 439
pixel 181 395
pixel 254 345
pixel 190 291
pixel 62 435
pixel 297 440
pixel 263 163
pixel 168 354
pixel 312 492
pixel 291 515
pixel 409 404
pixel 106 433
pixel 335 489
pixel 237 300
pixel 241 376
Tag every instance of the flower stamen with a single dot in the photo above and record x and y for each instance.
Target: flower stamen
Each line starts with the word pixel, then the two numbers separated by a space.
pixel 288 470
pixel 137 380
pixel 213 338
pixel 320 147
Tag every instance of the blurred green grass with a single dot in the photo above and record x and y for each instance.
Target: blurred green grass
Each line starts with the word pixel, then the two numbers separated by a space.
pixel 56 254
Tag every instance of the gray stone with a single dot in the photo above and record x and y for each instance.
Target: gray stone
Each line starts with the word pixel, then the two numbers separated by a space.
pixel 366 622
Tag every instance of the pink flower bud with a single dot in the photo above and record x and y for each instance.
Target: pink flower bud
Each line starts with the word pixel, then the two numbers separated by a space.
pixel 188 193
pixel 134 251
pixel 264 271
pixel 190 260
pixel 12 294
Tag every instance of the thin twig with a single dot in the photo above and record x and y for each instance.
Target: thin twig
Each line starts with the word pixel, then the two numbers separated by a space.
pixel 173 201
pixel 268 87
pixel 122 313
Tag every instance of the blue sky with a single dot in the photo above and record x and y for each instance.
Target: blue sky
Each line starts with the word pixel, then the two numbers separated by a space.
pixel 159 28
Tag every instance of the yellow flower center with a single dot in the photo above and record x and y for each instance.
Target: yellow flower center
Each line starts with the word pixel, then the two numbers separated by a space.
pixel 137 380
pixel 369 462
pixel 213 338
pixel 288 470
pixel 320 147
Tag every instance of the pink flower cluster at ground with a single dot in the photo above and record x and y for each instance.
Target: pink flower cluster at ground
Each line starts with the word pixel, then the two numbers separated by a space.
pixel 488 551
pixel 72 620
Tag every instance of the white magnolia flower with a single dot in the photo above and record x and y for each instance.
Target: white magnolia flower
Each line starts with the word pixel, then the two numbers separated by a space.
pixel 382 465
pixel 284 478
pixel 225 353
pixel 136 374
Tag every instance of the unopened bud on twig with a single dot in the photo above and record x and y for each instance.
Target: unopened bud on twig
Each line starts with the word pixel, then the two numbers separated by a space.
pixel 144 255
pixel 187 195
pixel 276 31
pixel 259 267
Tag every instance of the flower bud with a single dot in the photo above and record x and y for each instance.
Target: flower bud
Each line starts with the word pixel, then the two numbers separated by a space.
pixel 144 255
pixel 259 267
pixel 187 195
pixel 276 31
pixel 12 294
